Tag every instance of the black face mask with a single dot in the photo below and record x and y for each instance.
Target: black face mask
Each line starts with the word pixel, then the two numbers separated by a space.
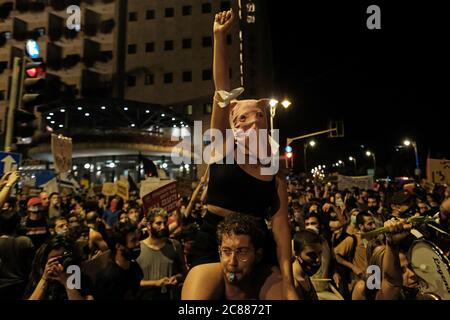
pixel 410 293
pixel 131 254
pixel 309 268
pixel 160 234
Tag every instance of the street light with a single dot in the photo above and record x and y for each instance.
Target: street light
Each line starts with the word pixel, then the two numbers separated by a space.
pixel 408 143
pixel 312 143
pixel 353 160
pixel 371 154
pixel 286 103
pixel 273 103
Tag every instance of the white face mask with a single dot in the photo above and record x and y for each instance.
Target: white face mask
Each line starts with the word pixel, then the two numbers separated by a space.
pixel 313 228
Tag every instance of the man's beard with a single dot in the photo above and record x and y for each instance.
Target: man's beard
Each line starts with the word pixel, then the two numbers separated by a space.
pixel 160 234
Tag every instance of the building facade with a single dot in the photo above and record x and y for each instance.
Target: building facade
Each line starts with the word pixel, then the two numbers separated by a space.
pixel 154 52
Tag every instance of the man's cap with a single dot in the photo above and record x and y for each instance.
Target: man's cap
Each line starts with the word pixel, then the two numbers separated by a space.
pixel 35 201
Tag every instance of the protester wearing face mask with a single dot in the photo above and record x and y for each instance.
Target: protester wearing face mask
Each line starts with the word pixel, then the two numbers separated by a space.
pixel 115 274
pixel 161 260
pixel 308 253
pixel 351 252
pixel 36 223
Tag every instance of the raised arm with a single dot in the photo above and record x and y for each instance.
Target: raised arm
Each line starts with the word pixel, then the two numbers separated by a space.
pixel 223 22
pixel 194 195
pixel 392 275
pixel 6 184
pixel 282 237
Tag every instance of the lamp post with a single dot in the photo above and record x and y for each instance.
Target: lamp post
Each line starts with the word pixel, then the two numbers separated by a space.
pixel 371 154
pixel 273 107
pixel 312 143
pixel 353 159
pixel 408 143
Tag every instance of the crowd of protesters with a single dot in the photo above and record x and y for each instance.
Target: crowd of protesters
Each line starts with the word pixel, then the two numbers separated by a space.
pixel 126 253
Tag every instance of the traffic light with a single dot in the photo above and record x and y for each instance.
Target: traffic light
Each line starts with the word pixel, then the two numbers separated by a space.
pixel 32 94
pixel 339 129
pixel 289 157
pixel 25 124
pixel 33 85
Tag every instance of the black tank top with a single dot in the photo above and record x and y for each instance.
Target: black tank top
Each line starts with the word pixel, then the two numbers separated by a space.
pixel 230 187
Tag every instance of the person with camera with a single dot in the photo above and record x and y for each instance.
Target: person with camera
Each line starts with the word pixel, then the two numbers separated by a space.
pixel 50 279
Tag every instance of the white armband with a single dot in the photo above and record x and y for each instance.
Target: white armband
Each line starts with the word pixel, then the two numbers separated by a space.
pixel 223 98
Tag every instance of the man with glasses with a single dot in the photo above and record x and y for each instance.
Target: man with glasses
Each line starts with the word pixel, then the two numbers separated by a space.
pixel 240 274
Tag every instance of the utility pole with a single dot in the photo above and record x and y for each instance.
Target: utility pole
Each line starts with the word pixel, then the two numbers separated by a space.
pixel 13 101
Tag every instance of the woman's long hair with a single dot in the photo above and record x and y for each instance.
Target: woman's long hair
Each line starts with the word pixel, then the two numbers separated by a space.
pixel 41 257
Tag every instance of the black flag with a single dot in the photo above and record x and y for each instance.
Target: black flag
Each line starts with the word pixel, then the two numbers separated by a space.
pixel 133 186
pixel 150 169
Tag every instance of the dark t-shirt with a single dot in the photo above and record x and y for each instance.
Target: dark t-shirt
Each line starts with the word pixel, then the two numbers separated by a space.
pixel 111 282
pixel 16 257
pixel 37 231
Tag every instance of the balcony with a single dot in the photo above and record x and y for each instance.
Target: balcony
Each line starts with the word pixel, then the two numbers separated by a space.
pixel 28 5
pixel 60 5
pixel 5 10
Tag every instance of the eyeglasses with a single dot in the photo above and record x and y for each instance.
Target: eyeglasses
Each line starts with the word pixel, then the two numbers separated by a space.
pixel 242 254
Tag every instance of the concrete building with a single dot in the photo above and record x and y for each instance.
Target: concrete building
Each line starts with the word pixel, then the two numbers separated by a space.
pixel 154 52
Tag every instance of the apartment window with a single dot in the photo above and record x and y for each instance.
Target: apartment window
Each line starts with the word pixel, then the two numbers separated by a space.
pixel 187 10
pixel 187 76
pixel 206 75
pixel 132 49
pixel 3 66
pixel 206 7
pixel 169 12
pixel 149 47
pixel 168 77
pixel 168 45
pixel 225 5
pixel 188 109
pixel 150 14
pixel 132 16
pixel 131 81
pixel 207 108
pixel 187 43
pixel 207 42
pixel 229 39
pixel 149 79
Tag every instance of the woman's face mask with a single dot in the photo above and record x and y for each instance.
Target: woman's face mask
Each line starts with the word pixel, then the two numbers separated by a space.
pixel 248 121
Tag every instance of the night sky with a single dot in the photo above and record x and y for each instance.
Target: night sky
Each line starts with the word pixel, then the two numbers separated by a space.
pixel 385 84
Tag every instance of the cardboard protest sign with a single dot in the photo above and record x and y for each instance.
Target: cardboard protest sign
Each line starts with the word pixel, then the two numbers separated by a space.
pixel 360 182
pixel 62 153
pixel 122 189
pixel 161 194
pixel 109 189
pixel 439 171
